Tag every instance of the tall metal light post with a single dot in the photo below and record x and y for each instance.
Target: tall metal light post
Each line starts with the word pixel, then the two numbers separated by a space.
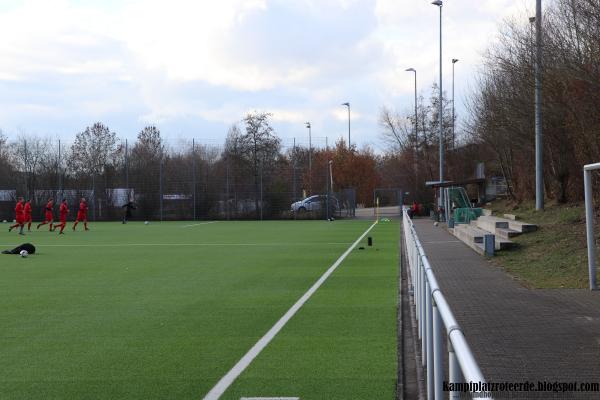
pixel 309 158
pixel 348 105
pixel 454 61
pixel 416 165
pixel 539 160
pixel 439 3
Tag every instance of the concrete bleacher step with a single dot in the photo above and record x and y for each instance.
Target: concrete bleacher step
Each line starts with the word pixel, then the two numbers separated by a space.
pixel 504 244
pixel 504 233
pixel 469 233
pixel 510 216
pixel 490 223
pixel 486 212
pixel 473 236
pixel 465 234
pixel 522 227
pixel 504 223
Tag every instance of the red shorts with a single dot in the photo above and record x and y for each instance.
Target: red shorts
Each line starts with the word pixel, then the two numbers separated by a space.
pixel 49 216
pixel 20 219
pixel 81 216
pixel 63 218
pixel 28 218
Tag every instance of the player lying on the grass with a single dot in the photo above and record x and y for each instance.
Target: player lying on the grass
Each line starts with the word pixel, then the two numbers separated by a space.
pixel 19 217
pixel 63 212
pixel 82 214
pixel 28 247
pixel 49 212
pixel 27 215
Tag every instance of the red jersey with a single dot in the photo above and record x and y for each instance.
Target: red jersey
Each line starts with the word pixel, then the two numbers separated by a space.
pixel 64 210
pixel 49 207
pixel 19 214
pixel 83 208
pixel 27 208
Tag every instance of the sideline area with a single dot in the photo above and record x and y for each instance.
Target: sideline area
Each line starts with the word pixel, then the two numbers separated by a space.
pixel 516 334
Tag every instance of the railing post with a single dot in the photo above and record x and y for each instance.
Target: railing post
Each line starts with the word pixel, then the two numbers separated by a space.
pixel 428 339
pixel 438 367
pixel 454 372
pixel 423 303
pixel 418 297
pixel 589 219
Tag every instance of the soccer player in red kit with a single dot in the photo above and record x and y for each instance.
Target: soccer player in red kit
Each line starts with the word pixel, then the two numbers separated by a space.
pixel 82 214
pixel 63 211
pixel 19 216
pixel 49 219
pixel 27 214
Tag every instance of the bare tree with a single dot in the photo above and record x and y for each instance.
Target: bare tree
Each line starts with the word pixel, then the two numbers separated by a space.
pixel 260 146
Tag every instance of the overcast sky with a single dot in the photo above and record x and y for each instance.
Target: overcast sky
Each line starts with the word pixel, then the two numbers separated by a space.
pixel 194 67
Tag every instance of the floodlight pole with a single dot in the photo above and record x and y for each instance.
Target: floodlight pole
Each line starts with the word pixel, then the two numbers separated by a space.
pixel 194 176
pixel 416 162
pixel 539 160
pixel 308 125
pixel 294 171
pixel 347 104
pixel 58 170
pixel 127 169
pixel 440 4
pixel 454 61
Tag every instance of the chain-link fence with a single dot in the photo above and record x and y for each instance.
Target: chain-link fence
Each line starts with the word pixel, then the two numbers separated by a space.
pixel 177 181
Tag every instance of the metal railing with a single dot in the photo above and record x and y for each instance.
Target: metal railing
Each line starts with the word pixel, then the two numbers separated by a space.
pixel 433 314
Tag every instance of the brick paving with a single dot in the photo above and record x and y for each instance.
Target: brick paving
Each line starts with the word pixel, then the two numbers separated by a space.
pixel 516 333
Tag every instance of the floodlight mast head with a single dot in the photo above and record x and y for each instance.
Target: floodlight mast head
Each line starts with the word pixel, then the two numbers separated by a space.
pixel 308 125
pixel 346 104
pixel 410 70
pixel 437 3
pixel 454 60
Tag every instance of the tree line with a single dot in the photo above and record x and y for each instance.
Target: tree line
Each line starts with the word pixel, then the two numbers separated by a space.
pixel 251 176
pixel 499 125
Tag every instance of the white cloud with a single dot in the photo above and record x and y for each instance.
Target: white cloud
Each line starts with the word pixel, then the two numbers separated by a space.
pixel 158 61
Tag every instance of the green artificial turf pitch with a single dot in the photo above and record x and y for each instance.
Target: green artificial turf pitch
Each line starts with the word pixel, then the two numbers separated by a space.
pixel 163 311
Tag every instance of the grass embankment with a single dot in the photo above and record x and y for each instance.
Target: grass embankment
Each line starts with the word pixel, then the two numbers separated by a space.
pixel 553 257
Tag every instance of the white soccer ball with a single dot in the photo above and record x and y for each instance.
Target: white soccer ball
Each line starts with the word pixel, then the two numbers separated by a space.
pixel 146 222
pixel 23 253
pixel 435 223
pixel 4 221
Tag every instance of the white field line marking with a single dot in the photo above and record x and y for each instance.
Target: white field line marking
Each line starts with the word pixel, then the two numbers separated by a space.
pixel 270 398
pixel 226 381
pixel 201 223
pixel 183 244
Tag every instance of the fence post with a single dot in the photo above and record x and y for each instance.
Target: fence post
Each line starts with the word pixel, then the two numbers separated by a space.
pixel 438 367
pixel 261 189
pixel 428 338
pixel 418 295
pixel 422 300
pixel 454 372
pixel 227 211
pixel 160 186
pixel 94 194
pixel 127 171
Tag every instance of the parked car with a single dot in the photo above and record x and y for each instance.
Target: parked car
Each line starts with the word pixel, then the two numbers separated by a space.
pixel 315 203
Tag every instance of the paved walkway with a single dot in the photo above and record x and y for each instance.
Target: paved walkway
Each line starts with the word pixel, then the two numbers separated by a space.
pixel 516 333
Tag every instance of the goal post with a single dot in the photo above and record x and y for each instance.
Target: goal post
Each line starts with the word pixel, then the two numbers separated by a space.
pixel 589 222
